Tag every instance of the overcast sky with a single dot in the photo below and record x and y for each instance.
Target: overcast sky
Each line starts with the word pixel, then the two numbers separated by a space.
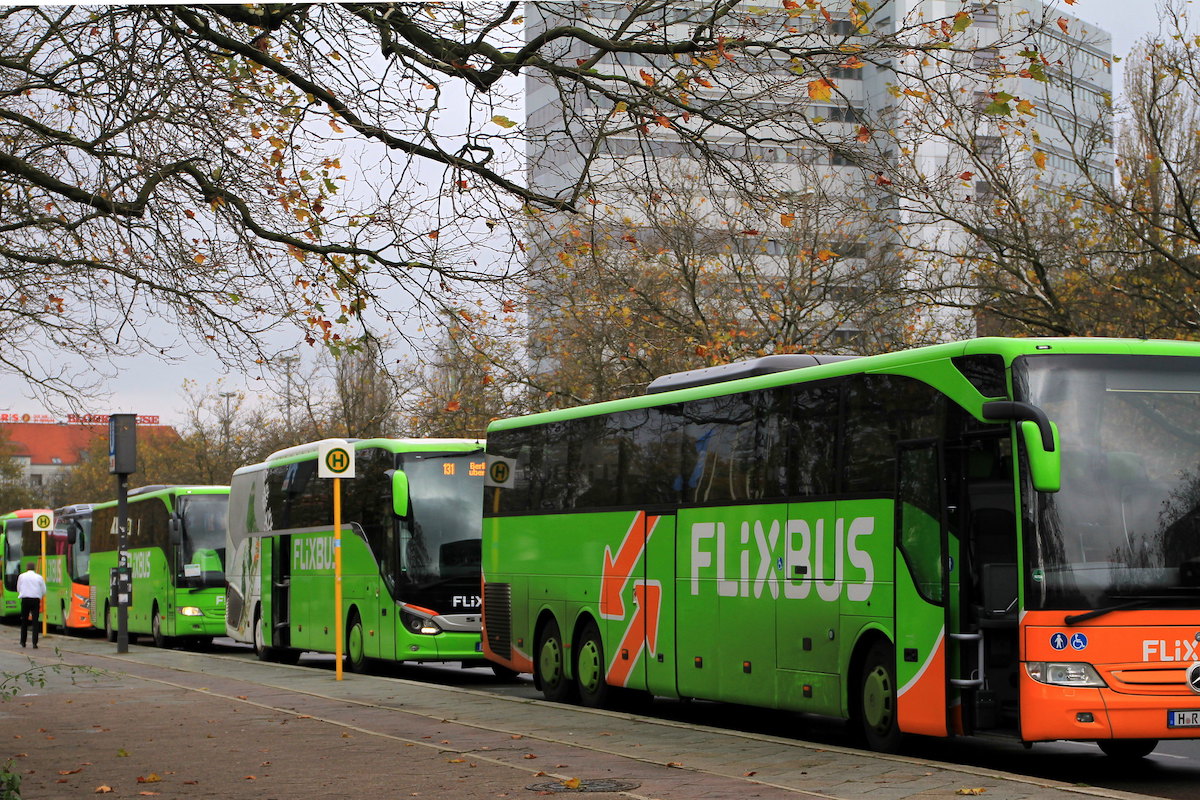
pixel 152 388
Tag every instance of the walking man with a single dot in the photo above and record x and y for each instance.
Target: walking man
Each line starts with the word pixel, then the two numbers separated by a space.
pixel 31 588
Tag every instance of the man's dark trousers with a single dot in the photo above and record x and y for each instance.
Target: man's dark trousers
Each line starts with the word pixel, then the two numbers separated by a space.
pixel 31 614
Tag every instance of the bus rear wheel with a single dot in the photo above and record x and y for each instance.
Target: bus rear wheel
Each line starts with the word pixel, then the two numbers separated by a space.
pixel 877 699
pixel 550 664
pixel 590 668
pixel 356 644
pixel 1127 749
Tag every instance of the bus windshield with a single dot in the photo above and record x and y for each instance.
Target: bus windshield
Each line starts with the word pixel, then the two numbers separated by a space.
pixel 204 530
pixel 1125 525
pixel 440 539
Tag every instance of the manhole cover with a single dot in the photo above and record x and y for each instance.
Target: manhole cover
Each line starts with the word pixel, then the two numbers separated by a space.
pixel 584 785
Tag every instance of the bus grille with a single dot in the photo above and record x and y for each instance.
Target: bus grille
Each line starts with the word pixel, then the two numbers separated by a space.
pixel 1148 679
pixel 497 618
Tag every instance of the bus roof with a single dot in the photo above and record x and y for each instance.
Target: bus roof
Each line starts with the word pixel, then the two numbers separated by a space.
pixel 143 492
pixel 901 361
pixel 302 452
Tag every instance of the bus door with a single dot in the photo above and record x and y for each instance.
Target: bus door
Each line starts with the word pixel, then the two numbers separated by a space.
pixel 280 615
pixel 924 563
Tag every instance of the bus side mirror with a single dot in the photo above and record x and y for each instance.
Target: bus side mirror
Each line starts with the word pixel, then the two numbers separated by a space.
pixel 175 531
pixel 1045 466
pixel 400 493
pixel 71 536
pixel 1040 436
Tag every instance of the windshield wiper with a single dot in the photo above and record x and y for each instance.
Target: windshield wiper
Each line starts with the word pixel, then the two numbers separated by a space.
pixel 1075 619
pixel 1188 594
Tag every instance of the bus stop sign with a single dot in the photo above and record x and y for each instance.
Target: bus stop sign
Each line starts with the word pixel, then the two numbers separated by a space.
pixel 335 459
pixel 43 520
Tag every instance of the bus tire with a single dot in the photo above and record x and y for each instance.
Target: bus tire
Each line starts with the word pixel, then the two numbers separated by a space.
pixel 156 631
pixel 550 664
pixel 877 716
pixel 503 673
pixel 590 668
pixel 261 651
pixel 356 644
pixel 110 630
pixel 1127 749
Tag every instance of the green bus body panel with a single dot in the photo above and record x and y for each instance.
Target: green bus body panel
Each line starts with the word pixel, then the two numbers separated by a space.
pixel 731 622
pixel 152 583
pixel 307 557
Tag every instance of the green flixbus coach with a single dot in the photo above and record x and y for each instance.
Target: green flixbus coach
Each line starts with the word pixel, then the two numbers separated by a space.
pixel 995 535
pixel 14 559
pixel 176 547
pixel 410 553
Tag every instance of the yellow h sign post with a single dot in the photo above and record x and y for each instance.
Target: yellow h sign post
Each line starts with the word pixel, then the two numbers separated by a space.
pixel 43 521
pixel 335 459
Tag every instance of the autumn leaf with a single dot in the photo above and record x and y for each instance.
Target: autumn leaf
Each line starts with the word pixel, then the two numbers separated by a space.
pixel 826 255
pixel 1039 158
pixel 864 134
pixel 962 21
pixel 787 220
pixel 970 791
pixel 966 176
pixel 454 405
pixel 199 258
pixel 122 753
pixel 572 783
pixel 821 89
pixel 70 771
pixel 153 777
pixel 529 755
pixel 148 793
pixel 103 789
pixel 336 128
pixel 675 764
pixel 456 761
pixel 503 121
pixel 1062 24
pixel 1026 107
pixel 434 234
pixel 647 78
pixel 882 180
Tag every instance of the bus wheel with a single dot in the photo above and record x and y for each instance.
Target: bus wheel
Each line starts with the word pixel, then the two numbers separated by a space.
pixel 261 651
pixel 356 644
pixel 156 632
pixel 877 699
pixel 550 665
pixel 504 673
pixel 110 630
pixel 590 668
pixel 1127 749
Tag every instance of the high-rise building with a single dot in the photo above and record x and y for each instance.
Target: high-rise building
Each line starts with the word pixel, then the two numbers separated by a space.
pixel 871 157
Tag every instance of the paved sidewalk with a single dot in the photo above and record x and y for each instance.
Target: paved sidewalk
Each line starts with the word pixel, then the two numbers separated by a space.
pixel 171 723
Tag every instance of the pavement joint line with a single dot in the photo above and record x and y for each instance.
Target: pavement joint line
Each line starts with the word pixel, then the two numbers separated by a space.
pixel 975 772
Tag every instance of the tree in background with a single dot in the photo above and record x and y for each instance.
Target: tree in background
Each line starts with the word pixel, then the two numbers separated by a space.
pixel 198 165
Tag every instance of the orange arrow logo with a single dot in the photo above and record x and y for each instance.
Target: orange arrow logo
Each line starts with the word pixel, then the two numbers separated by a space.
pixel 643 628
pixel 618 571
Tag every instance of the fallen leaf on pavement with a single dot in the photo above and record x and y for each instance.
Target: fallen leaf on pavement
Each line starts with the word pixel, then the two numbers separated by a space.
pixel 103 789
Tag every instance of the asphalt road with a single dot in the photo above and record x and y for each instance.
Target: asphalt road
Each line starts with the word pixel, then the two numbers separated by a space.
pixel 1172 771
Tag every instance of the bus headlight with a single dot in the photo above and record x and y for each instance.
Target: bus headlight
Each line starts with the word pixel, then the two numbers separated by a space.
pixel 1064 673
pixel 191 611
pixel 420 624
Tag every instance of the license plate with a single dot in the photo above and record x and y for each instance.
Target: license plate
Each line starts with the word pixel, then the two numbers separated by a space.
pixel 1183 719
